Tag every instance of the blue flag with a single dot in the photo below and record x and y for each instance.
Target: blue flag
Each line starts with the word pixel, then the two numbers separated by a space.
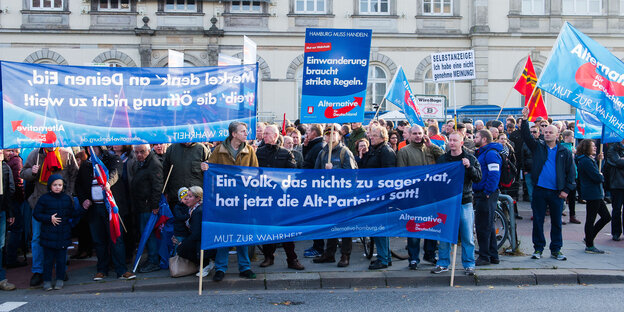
pixel 587 76
pixel 400 94
pixel 587 126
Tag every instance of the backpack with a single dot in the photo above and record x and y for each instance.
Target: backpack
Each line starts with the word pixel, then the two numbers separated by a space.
pixel 343 151
pixel 508 171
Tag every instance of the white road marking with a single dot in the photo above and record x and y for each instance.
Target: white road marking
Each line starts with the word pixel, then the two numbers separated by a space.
pixel 11 305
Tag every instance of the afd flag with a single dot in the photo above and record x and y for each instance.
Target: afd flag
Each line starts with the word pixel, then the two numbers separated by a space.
pixel 588 126
pixel 587 76
pixel 252 206
pixel 400 94
pixel 335 73
pixel 53 105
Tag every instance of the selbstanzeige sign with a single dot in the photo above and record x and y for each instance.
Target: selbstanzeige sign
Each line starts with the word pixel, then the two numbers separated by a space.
pixel 455 65
pixel 431 106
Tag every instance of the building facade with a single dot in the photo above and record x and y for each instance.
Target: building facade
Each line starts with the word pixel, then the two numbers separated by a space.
pixel 405 33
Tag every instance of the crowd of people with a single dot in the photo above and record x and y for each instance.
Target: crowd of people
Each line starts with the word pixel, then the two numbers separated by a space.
pixel 52 197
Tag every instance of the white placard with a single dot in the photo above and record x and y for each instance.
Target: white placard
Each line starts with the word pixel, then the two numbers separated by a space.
pixel 456 65
pixel 176 59
pixel 431 106
pixel 249 51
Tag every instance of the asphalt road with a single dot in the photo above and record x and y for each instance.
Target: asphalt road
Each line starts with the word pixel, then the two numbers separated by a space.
pixel 536 298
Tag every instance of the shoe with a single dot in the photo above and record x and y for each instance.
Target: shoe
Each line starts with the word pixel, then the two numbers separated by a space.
pixel 616 238
pixel 268 261
pixel 377 265
pixel 311 253
pixel 439 269
pixel 99 276
pixel 206 270
pixel 344 261
pixel 431 260
pixel 574 220
pixel 607 200
pixel 563 213
pixel 582 201
pixel 218 276
pixel 518 217
pixel 47 286
pixel 149 267
pixel 16 265
pixel 127 276
pixel 482 262
pixel 324 258
pixel 536 255
pixel 593 250
pixel 58 285
pixel 36 280
pixel 294 264
pixel 469 271
pixel 5 285
pixel 563 222
pixel 494 261
pixel 249 274
pixel 413 265
pixel 558 255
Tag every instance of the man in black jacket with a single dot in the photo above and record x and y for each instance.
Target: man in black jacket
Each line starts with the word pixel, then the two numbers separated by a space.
pixel 91 197
pixel 553 176
pixel 379 155
pixel 472 174
pixel 527 161
pixel 315 144
pixel 615 174
pixel 145 189
pixel 272 155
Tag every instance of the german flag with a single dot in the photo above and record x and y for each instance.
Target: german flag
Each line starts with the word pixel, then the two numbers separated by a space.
pixel 525 86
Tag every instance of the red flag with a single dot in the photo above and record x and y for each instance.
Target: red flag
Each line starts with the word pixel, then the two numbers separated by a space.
pixel 284 125
pixel 525 86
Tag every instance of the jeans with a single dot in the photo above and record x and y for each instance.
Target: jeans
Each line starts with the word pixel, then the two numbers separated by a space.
pixel 221 260
pixel 37 250
pixel 2 235
pixel 52 256
pixel 484 223
pixel 105 249
pixel 152 244
pixel 594 208
pixel 529 184
pixel 383 249
pixel 413 249
pixel 466 226
pixel 542 199
pixel 617 201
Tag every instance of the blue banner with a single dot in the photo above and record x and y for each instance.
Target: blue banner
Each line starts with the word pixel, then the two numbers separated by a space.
pixel 54 105
pixel 250 206
pixel 400 94
pixel 335 72
pixel 588 126
pixel 587 76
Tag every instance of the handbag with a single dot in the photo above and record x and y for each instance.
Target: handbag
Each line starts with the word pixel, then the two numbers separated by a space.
pixel 179 266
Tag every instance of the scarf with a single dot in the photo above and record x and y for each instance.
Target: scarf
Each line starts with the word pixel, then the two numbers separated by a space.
pixel 51 163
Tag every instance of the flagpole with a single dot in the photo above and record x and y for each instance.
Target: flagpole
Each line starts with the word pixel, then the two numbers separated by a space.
pixel 453 264
pixel 201 270
pixel 329 144
pixel 455 102
pixel 167 180
pixel 509 93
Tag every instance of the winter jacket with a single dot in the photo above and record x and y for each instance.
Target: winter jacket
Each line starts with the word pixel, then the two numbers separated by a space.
pixel 146 184
pixel 311 151
pixel 180 215
pixel 380 156
pixel 61 204
pixel 355 136
pixel 186 162
pixel 347 161
pixel 85 175
pixel 590 178
pixel 69 172
pixel 195 223
pixel 274 156
pixel 615 158
pixel 490 161
pixel 527 159
pixel 418 154
pixel 246 156
pixel 472 174
pixel 16 167
pixel 8 191
pixel 298 158
pixel 564 162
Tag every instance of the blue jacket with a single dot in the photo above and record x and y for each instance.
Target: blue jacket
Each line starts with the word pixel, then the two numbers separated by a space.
pixel 180 215
pixel 590 178
pixel 490 161
pixel 564 163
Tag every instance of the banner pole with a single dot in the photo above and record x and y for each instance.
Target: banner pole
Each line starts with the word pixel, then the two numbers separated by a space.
pixel 599 161
pixel 201 270
pixel 455 103
pixel 329 144
pixel 167 180
pixel 453 265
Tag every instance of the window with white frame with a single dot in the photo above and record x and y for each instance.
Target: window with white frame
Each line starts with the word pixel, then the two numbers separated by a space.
pixel 436 88
pixel 310 6
pixel 581 7
pixel 532 7
pixel 46 4
pixel 246 7
pixel 180 6
pixel 114 5
pixel 377 85
pixel 437 7
pixel 374 6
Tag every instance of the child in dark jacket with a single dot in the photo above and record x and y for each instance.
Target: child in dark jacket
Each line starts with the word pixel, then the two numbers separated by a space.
pixel 54 210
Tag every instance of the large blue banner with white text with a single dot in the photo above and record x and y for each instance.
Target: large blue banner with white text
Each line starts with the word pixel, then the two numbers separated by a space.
pixel 250 206
pixel 587 76
pixel 589 127
pixel 54 105
pixel 335 72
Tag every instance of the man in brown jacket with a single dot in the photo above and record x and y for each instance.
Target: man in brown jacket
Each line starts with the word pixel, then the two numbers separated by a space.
pixel 233 151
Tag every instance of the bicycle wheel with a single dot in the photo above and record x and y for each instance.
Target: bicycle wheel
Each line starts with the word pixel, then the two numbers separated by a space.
pixel 501 226
pixel 369 246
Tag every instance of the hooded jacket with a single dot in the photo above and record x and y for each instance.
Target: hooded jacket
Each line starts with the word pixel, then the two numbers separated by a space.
pixel 186 162
pixel 61 204
pixel 246 156
pixel 490 161
pixel 311 151
pixel 590 178
pixel 146 184
pixel 472 174
pixel 69 172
